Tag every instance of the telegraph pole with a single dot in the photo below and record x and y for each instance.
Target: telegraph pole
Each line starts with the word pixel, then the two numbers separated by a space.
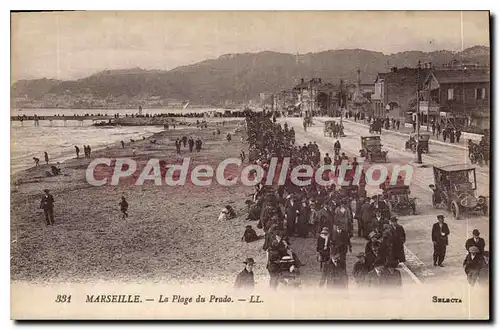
pixel 419 152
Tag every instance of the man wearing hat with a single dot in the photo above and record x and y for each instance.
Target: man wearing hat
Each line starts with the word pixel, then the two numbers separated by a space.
pixel 371 249
pixel 47 204
pixel 473 264
pixel 476 241
pixel 334 273
pixel 360 269
pixel 398 240
pixel 440 232
pixel 245 280
pixel 364 218
pixel 378 221
pixel 343 216
pixel 323 246
pixel 341 242
pixel 292 211
pixel 378 275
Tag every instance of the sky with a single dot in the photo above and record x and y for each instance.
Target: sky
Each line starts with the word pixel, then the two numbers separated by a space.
pixel 72 45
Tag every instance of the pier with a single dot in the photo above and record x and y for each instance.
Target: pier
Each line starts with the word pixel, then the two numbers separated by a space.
pixel 37 119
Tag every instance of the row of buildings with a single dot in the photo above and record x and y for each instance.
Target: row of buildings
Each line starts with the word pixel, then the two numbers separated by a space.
pixel 457 93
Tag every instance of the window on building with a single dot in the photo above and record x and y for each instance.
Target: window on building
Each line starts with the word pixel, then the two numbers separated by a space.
pixel 480 93
pixel 450 93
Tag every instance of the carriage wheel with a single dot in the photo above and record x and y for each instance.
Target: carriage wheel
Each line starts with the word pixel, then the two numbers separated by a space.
pixel 455 210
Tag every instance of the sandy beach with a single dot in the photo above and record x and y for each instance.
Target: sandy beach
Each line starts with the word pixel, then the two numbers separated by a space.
pixel 171 235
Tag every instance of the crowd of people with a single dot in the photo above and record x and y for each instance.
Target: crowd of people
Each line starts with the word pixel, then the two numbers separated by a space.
pixel 323 213
pixel 327 215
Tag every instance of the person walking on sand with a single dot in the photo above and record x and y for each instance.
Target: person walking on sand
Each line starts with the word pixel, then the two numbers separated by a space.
pixel 47 205
pixel 123 143
pixel 46 157
pixel 198 144
pixel 191 144
pixel 178 146
pixel 77 150
pixel 37 160
pixel 124 207
pixel 89 150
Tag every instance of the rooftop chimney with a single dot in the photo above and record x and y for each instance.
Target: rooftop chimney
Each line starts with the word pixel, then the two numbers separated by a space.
pixel 394 69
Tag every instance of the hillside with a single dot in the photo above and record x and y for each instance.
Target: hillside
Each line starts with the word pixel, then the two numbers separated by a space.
pixel 236 77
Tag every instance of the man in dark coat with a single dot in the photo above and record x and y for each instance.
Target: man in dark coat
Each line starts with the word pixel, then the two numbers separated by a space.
pixel 398 236
pixel 440 232
pixel 323 245
pixel 360 270
pixel 292 211
pixel 334 273
pixel 341 243
pixel 473 264
pixel 325 217
pixel 327 160
pixel 378 222
pixel 372 250
pixel 366 217
pixel 458 133
pixel 47 205
pixel 245 279
pixel 377 276
pixel 191 144
pixel 476 241
pixel 337 147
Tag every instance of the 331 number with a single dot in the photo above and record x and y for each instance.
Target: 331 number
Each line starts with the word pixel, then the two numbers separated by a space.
pixel 62 298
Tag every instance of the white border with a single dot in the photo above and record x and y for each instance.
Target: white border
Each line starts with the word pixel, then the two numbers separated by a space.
pixel 187 5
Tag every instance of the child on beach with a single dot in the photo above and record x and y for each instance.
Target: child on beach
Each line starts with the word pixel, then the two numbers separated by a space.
pixel 124 207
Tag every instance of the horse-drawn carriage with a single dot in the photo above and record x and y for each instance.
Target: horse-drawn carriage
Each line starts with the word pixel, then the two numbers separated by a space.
pixel 371 148
pixel 423 140
pixel 376 126
pixel 455 189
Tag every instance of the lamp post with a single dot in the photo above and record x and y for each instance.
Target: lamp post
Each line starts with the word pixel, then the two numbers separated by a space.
pixel 419 152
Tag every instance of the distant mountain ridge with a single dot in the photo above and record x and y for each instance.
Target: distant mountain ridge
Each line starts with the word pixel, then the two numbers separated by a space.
pixel 237 77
